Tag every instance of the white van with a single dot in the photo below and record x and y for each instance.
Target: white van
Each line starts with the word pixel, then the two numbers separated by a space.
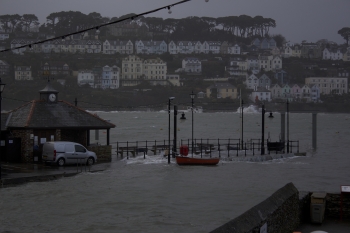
pixel 62 153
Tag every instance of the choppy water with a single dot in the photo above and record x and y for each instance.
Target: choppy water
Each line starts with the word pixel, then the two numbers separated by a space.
pixel 150 195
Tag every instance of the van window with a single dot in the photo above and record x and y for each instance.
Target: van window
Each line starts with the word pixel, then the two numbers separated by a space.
pixel 79 149
pixel 69 148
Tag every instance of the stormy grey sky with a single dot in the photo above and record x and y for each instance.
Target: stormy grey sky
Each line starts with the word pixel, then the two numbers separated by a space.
pixel 297 20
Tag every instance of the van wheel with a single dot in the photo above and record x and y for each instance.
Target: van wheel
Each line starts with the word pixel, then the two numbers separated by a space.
pixel 90 161
pixel 61 162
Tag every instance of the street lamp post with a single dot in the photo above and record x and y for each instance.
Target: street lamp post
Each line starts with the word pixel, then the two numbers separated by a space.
pixel 242 123
pixel 287 126
pixel 262 130
pixel 175 132
pixel 2 86
pixel 170 99
pixel 192 97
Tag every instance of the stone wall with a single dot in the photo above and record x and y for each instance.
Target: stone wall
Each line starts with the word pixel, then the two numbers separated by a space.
pixel 103 153
pixel 278 213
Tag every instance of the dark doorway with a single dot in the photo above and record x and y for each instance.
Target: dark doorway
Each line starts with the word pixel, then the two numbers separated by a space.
pixel 13 150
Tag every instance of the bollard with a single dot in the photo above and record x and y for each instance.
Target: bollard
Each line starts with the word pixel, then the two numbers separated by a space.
pixel 201 147
pixel 218 148
pixel 298 146
pixel 155 147
pixel 228 148
pixel 253 148
pixel 146 147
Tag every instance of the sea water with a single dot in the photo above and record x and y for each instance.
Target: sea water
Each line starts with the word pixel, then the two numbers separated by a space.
pixel 149 195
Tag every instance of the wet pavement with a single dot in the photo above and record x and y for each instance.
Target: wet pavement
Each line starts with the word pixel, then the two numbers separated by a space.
pixel 14 174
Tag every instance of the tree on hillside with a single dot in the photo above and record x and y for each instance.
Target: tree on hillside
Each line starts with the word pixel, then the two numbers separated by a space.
pixel 345 33
pixel 5 22
pixel 280 40
pixel 28 20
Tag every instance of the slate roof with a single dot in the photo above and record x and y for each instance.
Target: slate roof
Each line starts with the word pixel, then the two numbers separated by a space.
pixel 41 114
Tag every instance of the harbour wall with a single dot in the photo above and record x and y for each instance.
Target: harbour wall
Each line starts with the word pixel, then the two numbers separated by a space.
pixel 278 213
pixel 284 211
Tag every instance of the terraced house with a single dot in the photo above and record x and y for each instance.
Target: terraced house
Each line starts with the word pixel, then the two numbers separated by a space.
pixel 118 46
pixel 150 47
pixel 23 73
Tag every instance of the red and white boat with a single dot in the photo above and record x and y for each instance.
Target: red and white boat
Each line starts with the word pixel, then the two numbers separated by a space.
pixel 184 160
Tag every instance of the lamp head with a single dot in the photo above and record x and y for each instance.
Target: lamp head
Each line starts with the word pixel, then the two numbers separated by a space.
pixel 171 98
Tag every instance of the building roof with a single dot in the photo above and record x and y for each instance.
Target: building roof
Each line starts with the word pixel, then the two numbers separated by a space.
pixel 41 114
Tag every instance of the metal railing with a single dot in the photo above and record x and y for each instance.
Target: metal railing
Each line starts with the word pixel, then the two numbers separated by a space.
pixel 201 147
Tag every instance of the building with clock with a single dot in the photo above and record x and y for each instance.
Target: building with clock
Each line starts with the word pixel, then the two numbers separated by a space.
pixel 49 119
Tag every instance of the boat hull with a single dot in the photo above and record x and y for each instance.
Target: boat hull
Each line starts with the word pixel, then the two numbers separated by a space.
pixel 182 160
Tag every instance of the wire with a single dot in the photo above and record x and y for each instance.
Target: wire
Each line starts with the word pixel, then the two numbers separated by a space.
pixel 97 27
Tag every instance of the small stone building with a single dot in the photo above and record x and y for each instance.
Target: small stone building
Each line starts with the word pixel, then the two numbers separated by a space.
pixel 25 129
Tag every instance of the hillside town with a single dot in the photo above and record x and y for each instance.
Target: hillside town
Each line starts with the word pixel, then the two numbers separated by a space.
pixel 265 69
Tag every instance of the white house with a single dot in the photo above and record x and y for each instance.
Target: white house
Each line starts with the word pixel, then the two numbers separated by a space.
pixel 185 47
pixel 276 63
pixel 276 91
pixel 86 77
pixel 198 47
pixel 252 81
pixel 205 47
pixel 110 77
pixel 306 93
pixel 260 94
pixel 332 54
pixel 253 64
pixel 172 47
pixel 234 49
pixel 287 51
pixel 192 65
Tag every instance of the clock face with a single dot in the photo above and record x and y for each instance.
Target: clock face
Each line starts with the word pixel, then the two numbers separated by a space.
pixel 52 97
